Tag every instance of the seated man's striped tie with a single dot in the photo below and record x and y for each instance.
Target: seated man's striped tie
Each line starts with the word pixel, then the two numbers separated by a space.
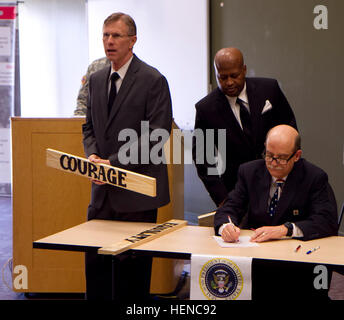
pixel 275 197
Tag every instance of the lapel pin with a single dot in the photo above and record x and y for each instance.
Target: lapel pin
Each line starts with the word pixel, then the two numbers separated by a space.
pixel 296 212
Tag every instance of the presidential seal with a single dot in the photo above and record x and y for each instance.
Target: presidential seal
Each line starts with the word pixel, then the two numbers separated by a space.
pixel 221 279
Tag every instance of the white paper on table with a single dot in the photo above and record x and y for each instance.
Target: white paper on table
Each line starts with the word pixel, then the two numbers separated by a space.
pixel 244 242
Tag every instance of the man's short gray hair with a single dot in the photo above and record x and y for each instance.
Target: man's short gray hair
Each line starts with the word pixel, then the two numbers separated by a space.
pixel 128 20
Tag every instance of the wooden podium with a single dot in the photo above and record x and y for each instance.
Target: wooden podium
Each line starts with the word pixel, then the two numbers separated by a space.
pixel 46 201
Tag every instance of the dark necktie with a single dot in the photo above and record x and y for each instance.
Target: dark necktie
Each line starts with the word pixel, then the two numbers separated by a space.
pixel 274 199
pixel 245 118
pixel 113 91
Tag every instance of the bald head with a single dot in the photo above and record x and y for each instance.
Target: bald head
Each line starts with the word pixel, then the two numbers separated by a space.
pixel 285 136
pixel 282 142
pixel 228 57
pixel 230 71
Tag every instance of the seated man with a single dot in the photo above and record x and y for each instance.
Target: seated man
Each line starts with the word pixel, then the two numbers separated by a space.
pixel 283 195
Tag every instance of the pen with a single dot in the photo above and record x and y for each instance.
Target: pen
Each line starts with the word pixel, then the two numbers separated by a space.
pixel 298 248
pixel 312 250
pixel 230 221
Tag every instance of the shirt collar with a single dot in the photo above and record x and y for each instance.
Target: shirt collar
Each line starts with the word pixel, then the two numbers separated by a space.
pixel 275 179
pixel 122 70
pixel 242 96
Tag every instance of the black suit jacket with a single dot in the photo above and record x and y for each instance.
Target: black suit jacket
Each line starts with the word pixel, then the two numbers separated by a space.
pixel 143 96
pixel 307 200
pixel 214 112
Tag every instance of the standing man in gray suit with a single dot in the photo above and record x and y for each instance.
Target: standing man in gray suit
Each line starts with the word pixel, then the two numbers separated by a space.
pixel 122 97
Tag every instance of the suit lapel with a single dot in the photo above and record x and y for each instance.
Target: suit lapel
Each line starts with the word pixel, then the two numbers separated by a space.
pixel 263 181
pixel 103 93
pixel 126 85
pixel 256 107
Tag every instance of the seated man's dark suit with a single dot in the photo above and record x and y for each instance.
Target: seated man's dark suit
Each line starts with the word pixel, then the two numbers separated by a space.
pixel 214 112
pixel 307 200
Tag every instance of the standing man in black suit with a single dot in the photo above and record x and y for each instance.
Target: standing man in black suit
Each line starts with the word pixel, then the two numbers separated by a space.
pixel 286 197
pixel 246 108
pixel 125 98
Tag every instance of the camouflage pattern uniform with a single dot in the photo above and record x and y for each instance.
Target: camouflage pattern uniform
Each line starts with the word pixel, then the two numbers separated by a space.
pixel 81 102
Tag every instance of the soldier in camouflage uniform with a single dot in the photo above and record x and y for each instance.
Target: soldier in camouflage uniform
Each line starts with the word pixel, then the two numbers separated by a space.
pixel 81 102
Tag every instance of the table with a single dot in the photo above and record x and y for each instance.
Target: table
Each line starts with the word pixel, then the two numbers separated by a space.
pixel 188 240
pixel 198 240
pixel 91 235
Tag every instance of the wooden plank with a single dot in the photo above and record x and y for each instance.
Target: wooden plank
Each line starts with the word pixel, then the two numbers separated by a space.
pixel 143 237
pixel 111 175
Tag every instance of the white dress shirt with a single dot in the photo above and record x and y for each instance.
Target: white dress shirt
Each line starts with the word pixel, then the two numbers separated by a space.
pixel 121 72
pixel 235 106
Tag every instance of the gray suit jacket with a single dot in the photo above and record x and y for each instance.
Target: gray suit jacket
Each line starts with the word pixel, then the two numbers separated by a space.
pixel 143 96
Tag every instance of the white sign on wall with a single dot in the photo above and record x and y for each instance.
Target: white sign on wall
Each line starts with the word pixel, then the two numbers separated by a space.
pixel 5 41
pixel 6 74
pixel 5 163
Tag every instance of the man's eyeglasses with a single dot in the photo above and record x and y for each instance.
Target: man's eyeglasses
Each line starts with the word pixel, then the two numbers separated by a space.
pixel 269 158
pixel 115 36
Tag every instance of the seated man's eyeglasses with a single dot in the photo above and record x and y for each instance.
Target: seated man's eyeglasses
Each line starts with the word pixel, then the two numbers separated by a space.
pixel 280 160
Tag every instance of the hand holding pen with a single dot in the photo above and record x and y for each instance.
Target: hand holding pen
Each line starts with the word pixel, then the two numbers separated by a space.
pixel 230 233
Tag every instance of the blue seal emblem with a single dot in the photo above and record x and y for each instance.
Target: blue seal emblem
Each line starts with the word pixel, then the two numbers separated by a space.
pixel 221 278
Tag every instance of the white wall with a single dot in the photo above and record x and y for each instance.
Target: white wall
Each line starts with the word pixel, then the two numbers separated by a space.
pixel 56 46
pixel 53 55
pixel 172 36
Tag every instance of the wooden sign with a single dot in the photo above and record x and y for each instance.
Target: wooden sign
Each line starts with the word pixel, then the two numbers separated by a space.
pixel 111 175
pixel 144 236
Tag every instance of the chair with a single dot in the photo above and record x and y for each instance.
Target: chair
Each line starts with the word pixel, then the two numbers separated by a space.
pixel 340 216
pixel 206 219
pixel 340 269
